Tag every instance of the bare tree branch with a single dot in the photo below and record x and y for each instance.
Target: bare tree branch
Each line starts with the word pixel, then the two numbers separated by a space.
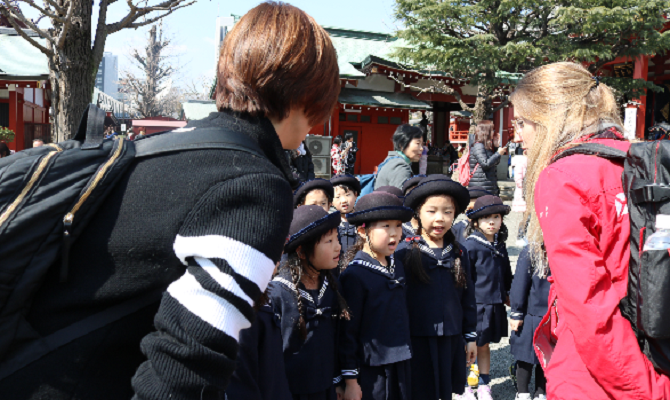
pixel 437 87
pixel 12 17
pixel 60 42
pixel 501 106
pixel 135 13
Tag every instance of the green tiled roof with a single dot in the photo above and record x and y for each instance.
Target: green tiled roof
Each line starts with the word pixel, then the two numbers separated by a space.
pixel 355 46
pixel 198 109
pixel 21 59
pixel 381 99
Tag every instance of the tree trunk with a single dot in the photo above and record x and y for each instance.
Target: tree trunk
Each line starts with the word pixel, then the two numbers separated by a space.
pixel 72 82
pixel 483 106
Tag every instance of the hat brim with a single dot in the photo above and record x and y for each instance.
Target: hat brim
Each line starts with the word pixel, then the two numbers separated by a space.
pixel 315 229
pixel 314 184
pixel 385 213
pixel 489 210
pixel 350 182
pixel 437 187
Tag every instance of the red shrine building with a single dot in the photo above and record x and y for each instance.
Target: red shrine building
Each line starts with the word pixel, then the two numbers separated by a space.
pixel 372 103
pixel 24 89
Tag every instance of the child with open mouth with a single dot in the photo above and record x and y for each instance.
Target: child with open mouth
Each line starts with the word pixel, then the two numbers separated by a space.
pixel 375 342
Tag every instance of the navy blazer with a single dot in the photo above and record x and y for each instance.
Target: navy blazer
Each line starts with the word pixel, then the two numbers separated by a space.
pixel 259 368
pixel 347 235
pixel 459 230
pixel 529 293
pixel 378 332
pixel 439 308
pixel 310 363
pixel 491 269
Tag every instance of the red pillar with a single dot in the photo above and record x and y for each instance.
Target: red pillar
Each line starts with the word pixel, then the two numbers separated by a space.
pixel 17 144
pixel 640 72
pixel 20 145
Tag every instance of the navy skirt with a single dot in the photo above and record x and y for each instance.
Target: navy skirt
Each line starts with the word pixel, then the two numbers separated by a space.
pixel 329 394
pixel 521 341
pixel 438 367
pixel 492 323
pixel 386 382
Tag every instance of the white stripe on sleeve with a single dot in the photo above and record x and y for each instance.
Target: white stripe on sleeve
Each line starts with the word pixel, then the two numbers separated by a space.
pixel 242 258
pixel 226 281
pixel 209 307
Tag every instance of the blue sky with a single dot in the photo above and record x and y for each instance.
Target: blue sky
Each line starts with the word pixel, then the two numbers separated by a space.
pixel 193 27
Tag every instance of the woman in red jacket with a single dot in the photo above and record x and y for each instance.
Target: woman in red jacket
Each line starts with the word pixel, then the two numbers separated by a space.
pixel 578 210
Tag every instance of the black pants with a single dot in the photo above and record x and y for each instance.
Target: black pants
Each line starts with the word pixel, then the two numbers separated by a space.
pixel 524 371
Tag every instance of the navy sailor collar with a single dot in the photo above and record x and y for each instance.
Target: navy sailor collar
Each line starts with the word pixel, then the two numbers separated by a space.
pixel 480 238
pixel 365 260
pixel 284 278
pixel 446 251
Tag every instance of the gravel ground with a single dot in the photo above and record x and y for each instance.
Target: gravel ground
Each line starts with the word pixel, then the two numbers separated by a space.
pixel 502 387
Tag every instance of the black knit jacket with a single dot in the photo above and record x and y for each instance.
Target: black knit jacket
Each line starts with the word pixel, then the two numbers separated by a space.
pixel 208 226
pixel 486 175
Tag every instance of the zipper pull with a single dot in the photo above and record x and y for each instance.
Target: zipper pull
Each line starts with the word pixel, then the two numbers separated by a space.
pixel 67 242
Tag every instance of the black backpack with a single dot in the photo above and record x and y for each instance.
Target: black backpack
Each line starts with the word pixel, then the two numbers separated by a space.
pixel 646 183
pixel 47 196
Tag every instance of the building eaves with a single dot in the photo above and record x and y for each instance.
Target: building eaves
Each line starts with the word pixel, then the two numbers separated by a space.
pixel 381 99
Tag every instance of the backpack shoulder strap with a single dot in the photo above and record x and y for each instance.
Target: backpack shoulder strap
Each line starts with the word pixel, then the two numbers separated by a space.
pixel 199 138
pixel 91 130
pixel 593 149
pixel 379 168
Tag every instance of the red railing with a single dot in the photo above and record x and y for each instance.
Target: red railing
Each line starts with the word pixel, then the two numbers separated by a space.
pixel 458 136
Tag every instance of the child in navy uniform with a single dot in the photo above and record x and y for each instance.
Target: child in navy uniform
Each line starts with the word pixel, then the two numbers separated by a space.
pixel 259 368
pixel 306 300
pixel 528 299
pixel 440 292
pixel 375 343
pixel 317 192
pixel 492 275
pixel 346 189
pixel 459 227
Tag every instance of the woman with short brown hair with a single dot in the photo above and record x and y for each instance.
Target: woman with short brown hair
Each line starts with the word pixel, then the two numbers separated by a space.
pixel 277 78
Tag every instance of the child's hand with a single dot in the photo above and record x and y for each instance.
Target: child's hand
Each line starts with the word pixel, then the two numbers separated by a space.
pixel 353 391
pixel 471 353
pixel 515 325
pixel 340 392
pixel 507 301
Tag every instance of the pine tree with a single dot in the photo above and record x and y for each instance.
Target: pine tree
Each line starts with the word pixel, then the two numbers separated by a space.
pixel 483 41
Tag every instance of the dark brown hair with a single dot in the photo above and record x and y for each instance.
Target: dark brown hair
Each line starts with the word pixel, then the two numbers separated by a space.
pixel 277 58
pixel 413 259
pixel 296 267
pixel 484 134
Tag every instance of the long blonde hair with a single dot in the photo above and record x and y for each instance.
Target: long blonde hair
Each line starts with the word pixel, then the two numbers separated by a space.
pixel 566 103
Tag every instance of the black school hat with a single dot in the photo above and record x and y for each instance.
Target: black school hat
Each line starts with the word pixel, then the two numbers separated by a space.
pixel 477 192
pixel 379 206
pixel 391 189
pixel 346 180
pixel 488 205
pixel 308 186
pixel 411 182
pixel 310 222
pixel 438 184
